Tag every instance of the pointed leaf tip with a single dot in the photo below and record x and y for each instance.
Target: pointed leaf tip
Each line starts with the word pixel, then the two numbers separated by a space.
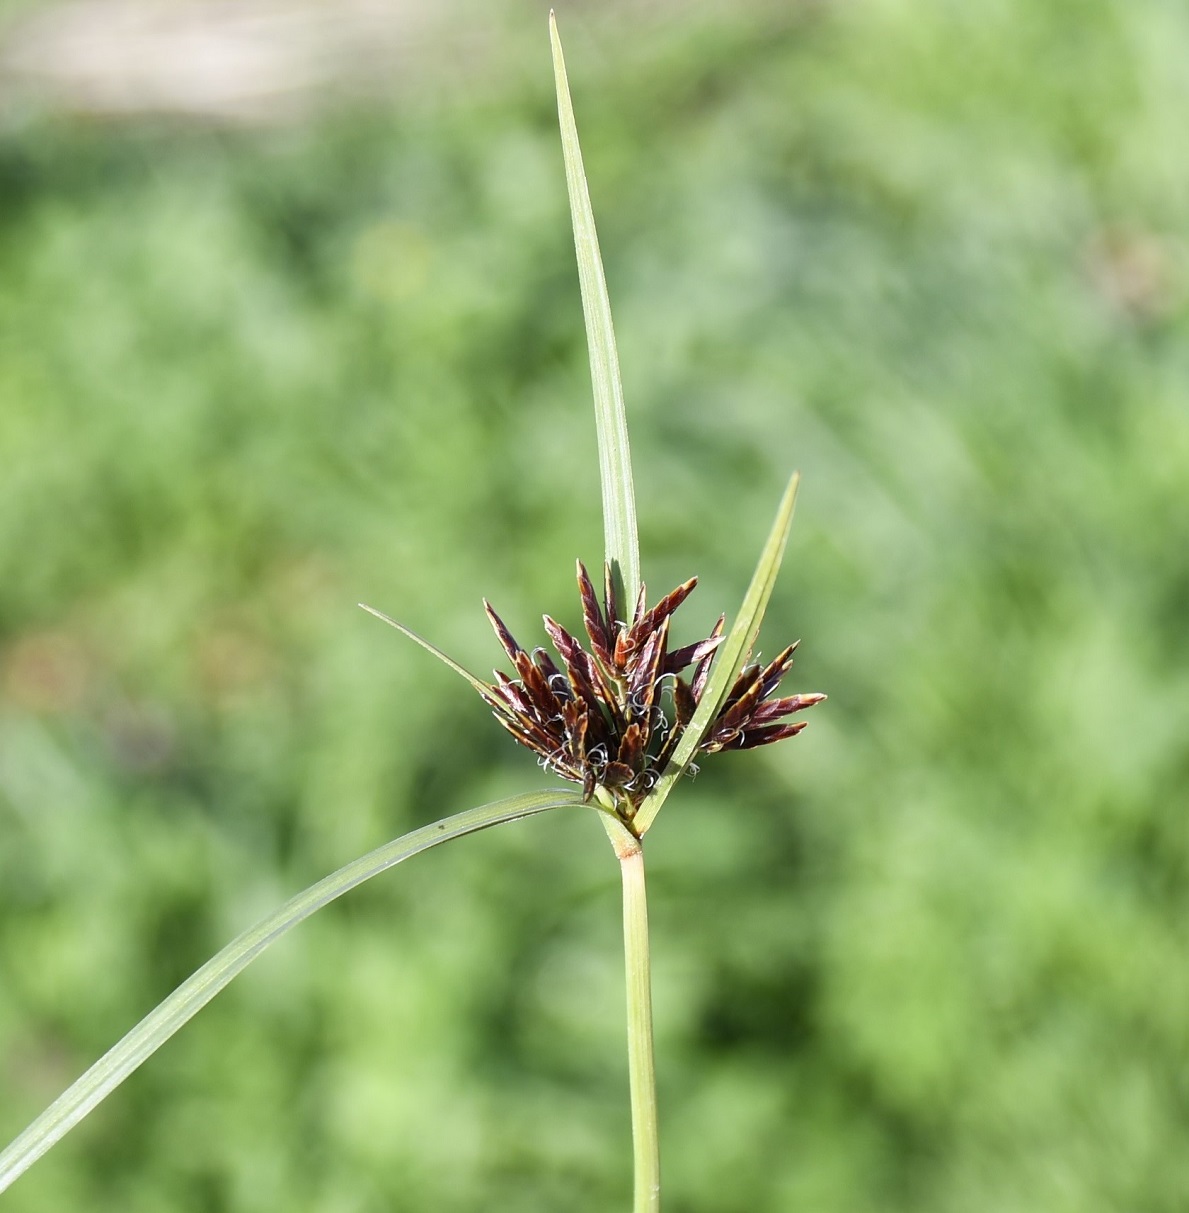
pixel 478 684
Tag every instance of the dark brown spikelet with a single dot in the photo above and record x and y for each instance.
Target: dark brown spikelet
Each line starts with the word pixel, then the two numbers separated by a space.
pixel 506 639
pixel 653 619
pixel 577 663
pixel 610 604
pixel 610 717
pixel 702 664
pixel 748 718
pixel 601 641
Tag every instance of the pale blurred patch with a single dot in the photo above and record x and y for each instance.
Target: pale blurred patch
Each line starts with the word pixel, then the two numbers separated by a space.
pixel 253 62
pixel 241 62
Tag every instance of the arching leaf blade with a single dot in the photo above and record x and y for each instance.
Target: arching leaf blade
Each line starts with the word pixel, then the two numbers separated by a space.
pixel 194 993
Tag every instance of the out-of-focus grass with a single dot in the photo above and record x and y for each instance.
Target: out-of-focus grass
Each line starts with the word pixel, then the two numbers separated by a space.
pixel 929 956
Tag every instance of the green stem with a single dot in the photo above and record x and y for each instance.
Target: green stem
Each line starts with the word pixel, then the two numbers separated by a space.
pixel 641 1066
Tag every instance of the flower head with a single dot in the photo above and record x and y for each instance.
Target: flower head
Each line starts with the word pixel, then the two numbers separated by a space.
pixel 610 715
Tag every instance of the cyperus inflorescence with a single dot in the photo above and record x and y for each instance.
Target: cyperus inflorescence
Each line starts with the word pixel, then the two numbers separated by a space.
pixel 610 716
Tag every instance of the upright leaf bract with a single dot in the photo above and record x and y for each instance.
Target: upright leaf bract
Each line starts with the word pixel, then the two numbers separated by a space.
pixel 615 460
pixel 730 657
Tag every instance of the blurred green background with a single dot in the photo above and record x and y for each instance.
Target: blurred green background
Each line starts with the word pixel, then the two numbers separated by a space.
pixel 253 369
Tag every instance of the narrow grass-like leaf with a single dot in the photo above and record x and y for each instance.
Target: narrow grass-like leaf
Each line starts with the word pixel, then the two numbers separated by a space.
pixel 731 656
pixel 479 686
pixel 615 461
pixel 194 993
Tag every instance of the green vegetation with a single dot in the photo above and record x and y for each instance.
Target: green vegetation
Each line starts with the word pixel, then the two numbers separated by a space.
pixel 929 957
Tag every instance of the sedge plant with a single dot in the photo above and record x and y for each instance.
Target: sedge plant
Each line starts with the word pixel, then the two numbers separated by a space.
pixel 620 714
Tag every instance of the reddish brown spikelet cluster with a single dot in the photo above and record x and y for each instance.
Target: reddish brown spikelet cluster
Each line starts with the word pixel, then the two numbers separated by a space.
pixel 611 716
